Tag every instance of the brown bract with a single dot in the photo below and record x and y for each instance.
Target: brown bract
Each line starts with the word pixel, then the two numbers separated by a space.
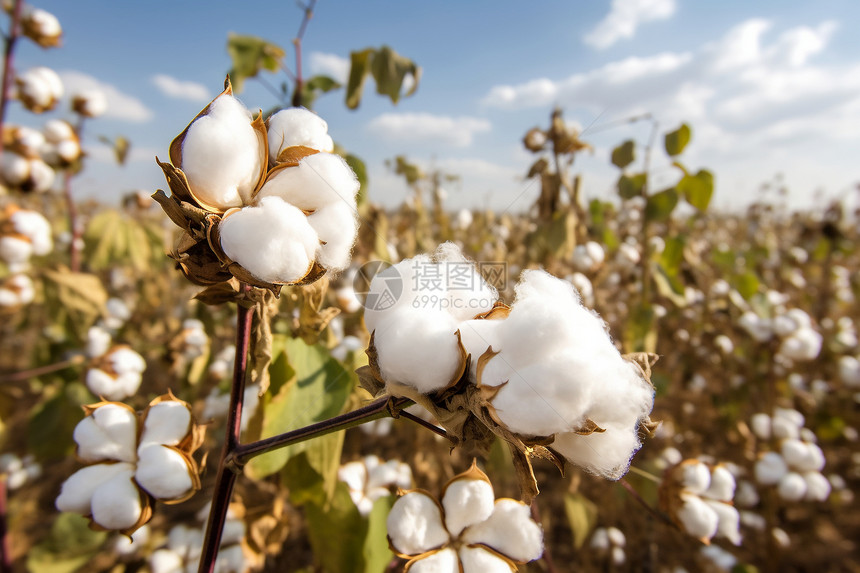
pixel 198 253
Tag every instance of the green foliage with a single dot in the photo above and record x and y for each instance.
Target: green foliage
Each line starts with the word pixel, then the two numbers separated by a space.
pixel 660 205
pixel 250 55
pixel 312 88
pixel 632 186
pixel 410 171
pixel 640 333
pixel 746 283
pixel 68 547
pixel 697 189
pixel 360 169
pixel 581 515
pixel 114 238
pixel 624 154
pixel 668 269
pixel 318 390
pixel 600 211
pixel 51 425
pixel 120 146
pixel 389 70
pixel 76 300
pixel 677 140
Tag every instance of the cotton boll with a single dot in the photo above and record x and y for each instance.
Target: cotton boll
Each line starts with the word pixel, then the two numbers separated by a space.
pixel 464 219
pixel 36 228
pixel 509 530
pixel 468 294
pixel 467 502
pixel 770 468
pixel 695 477
pixel 39 89
pixel 128 547
pixel 802 346
pixel 445 561
pixel 41 26
pixel 390 474
pixel 336 225
pixel 415 524
pixel 588 257
pixel 14 251
pixel 616 536
pixel 697 517
pixel 41 176
pixel 746 494
pixel 792 487
pixel 817 486
pixel 607 454
pixel 418 347
pixel 273 241
pixel 722 559
pixel 600 539
pixel 166 423
pixel 14 168
pixel 759 328
pixel 109 433
pixel 90 103
pixel 98 341
pixel 724 344
pixel 393 289
pixel 68 151
pixel 221 154
pixel 722 485
pixel 478 336
pixel 849 371
pixel 77 492
pixel 163 472
pixel 116 504
pixel 479 560
pixel 728 521
pixel 297 126
pixel 107 386
pixel 583 287
pixel 784 428
pixel 319 180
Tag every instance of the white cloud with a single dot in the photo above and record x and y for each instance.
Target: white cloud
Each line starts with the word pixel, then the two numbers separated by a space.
pixel 330 65
pixel 425 127
pixel 179 89
pixel 120 105
pixel 757 99
pixel 623 19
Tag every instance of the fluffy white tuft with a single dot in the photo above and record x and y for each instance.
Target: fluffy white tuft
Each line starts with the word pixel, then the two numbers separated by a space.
pixel 110 433
pixel 444 561
pixel 317 181
pixel 297 126
pixel 166 423
pixel 163 472
pixel 467 502
pixel 509 530
pixel 479 560
pixel 415 524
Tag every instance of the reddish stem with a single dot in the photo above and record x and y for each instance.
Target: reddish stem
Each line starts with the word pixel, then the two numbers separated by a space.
pixel 5 555
pixel 8 69
pixel 226 478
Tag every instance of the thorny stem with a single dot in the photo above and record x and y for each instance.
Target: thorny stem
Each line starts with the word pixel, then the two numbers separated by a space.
pixel 226 478
pixel 8 69
pixel 41 370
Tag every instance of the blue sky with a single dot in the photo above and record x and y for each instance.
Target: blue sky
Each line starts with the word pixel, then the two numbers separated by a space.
pixel 768 87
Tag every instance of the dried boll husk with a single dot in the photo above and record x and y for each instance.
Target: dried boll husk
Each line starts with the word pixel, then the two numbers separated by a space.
pixel 41 26
pixel 222 154
pixel 90 103
pixel 39 89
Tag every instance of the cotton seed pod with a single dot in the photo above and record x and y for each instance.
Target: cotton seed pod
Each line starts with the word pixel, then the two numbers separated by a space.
pixel 23 140
pixel 116 375
pixel 319 179
pixel 90 103
pixel 16 291
pixel 792 487
pixel 296 126
pixel 29 226
pixel 41 26
pixel 770 468
pixel 222 153
pixel 39 89
pixel 534 139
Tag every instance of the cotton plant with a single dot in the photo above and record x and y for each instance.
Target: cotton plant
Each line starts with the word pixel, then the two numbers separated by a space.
pixel 265 202
pixel 22 164
pixel 589 257
pixel 16 291
pixel 698 498
pixel 467 531
pixel 794 466
pixel 608 543
pixel 23 234
pixel 18 471
pixel 371 478
pixel 117 373
pixel 799 340
pixel 39 25
pixel 39 89
pixel 543 373
pixel 132 459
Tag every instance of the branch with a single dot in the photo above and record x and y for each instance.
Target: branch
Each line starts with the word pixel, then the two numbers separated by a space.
pixel 8 68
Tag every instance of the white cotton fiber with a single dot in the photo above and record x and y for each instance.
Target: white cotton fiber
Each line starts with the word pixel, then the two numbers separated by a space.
pixel 509 530
pixel 77 492
pixel 697 517
pixel 110 433
pixel 479 560
pixel 415 524
pixel 297 126
pixel 770 468
pixel 221 155
pixel 162 472
pixel 166 423
pixel 317 181
pixel 606 454
pixel 35 227
pixel 273 241
pixel 817 486
pixel 336 225
pixel 445 561
pixel 466 502
pixel 116 504
pixel 695 477
pixel 792 487
pixel 722 484
pixel 728 524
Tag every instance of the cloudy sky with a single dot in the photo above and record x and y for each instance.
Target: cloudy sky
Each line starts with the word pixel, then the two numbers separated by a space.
pixel 770 88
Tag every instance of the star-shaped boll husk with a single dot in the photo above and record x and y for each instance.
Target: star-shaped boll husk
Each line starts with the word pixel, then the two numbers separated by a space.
pixel 133 459
pixel 268 215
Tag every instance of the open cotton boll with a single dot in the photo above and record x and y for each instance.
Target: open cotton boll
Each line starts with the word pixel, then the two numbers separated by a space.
pixel 221 154
pixel 57 130
pixel 415 524
pixel 39 88
pixel 116 504
pixel 98 341
pixel 697 517
pixel 15 251
pixel 695 477
pixel 126 360
pixel 606 454
pixel 479 560
pixel 35 227
pixel 110 433
pixel 722 486
pixel 393 289
pixel 14 168
pixel 849 371
pixel 90 103
pixel 445 561
pixel 418 347
pixel 759 328
pixel 166 423
pixel 770 468
pixel 336 225
pixel 792 487
pixel 802 346
pixel 297 126
pixel 162 472
pixel 728 521
pixel 588 257
pixel 390 474
pixel 41 176
pixel 509 530
pixel 273 241
pixel 817 486
pixel 466 502
pixel 478 336
pixel 112 387
pixel 583 287
pixel 76 494
pixel 318 180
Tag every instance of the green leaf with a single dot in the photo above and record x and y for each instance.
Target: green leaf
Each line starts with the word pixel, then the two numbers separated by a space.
pixel 358 70
pixel 390 69
pixel 747 284
pixel 51 425
pixel 581 515
pixel 640 333
pixel 318 391
pixel 673 255
pixel 631 186
pixel 677 140
pixel 669 285
pixel 360 169
pixel 697 189
pixel 337 533
pixel 120 146
pixel 660 205
pixel 70 544
pixel 624 154
pixel 377 554
pixel 315 86
pixel 78 298
pixel 250 55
